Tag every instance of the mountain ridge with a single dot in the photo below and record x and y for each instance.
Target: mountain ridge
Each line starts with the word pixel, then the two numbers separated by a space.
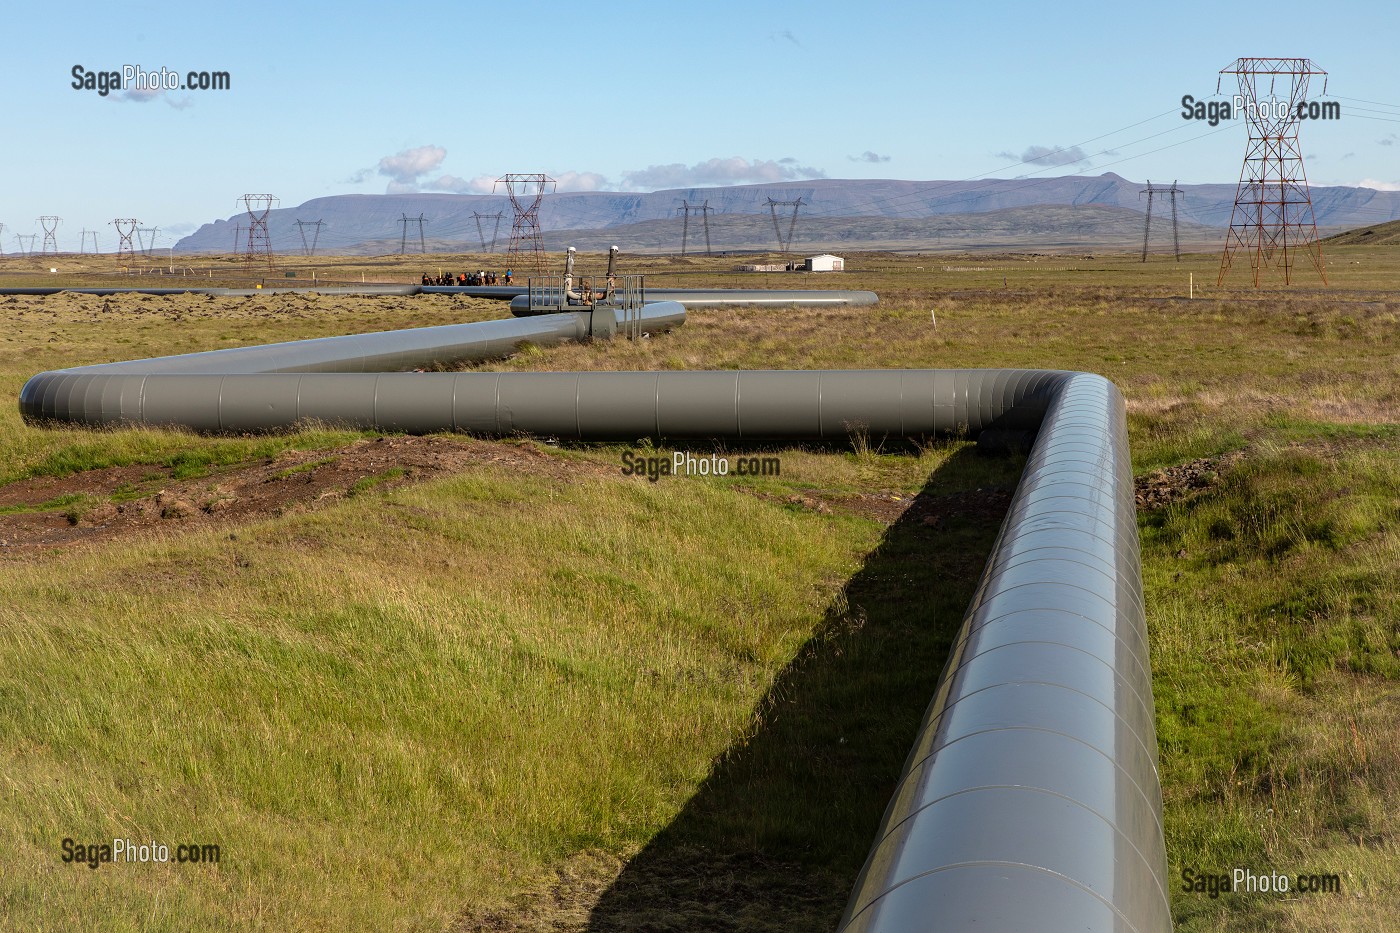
pixel 354 221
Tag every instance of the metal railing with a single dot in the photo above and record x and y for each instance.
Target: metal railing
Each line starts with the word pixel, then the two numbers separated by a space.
pixel 625 296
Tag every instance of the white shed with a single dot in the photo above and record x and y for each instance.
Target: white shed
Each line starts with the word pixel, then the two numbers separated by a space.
pixel 826 263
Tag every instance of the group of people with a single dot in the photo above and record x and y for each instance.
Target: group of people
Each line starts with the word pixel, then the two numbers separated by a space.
pixel 467 278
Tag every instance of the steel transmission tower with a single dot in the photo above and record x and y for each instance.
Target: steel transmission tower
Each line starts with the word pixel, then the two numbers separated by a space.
pixel 2 236
pixel 704 211
pixel 29 250
pixel 85 234
pixel 526 191
pixel 1273 215
pixel 126 226
pixel 309 249
pixel 1158 190
pixel 50 224
pixel 481 235
pixel 784 245
pixel 259 245
pixel 403 238
pixel 147 245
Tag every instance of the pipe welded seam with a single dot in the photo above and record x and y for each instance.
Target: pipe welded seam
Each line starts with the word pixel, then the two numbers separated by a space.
pixel 1030 799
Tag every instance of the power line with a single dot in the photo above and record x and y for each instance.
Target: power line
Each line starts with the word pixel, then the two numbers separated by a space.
pixel 773 206
pixel 526 191
pixel 259 246
pixel 704 210
pixel 494 230
pixel 1273 214
pixel 50 224
pixel 309 250
pixel 126 226
pixel 1360 100
pixel 147 245
pixel 1037 159
pixel 405 220
pixel 1151 190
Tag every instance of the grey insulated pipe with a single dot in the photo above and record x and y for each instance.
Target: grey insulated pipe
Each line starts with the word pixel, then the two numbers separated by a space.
pixel 697 298
pixel 245 388
pixel 1030 800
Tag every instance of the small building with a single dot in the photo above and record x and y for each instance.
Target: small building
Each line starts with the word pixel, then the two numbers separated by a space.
pixel 826 263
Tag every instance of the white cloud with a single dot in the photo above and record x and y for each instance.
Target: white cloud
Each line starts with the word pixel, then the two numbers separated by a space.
pixel 448 183
pixel 581 181
pixel 408 172
pixel 409 165
pixel 868 156
pixel 1047 155
pixel 1378 185
pixel 477 184
pixel 731 171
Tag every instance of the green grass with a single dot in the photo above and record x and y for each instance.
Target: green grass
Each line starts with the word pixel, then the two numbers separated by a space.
pixel 365 483
pixel 408 701
pixel 433 705
pixel 308 467
pixel 73 330
pixel 1272 601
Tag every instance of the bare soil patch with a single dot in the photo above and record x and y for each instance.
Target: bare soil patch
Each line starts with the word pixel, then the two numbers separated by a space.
pixel 118 502
pixel 888 507
pixel 1161 488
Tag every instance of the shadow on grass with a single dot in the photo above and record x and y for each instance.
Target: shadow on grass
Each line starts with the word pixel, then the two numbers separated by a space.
pixel 775 836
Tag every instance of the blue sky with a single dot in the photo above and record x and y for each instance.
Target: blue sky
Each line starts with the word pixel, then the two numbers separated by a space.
pixel 367 98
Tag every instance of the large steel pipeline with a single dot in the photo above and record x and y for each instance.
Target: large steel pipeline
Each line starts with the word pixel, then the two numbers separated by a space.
pixel 364 291
pixel 1030 800
pixel 695 298
pixel 189 389
pixel 690 297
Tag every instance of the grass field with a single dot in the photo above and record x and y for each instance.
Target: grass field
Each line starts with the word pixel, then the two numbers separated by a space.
pixel 536 694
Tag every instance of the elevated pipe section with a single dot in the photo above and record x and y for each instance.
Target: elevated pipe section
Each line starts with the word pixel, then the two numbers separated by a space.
pixel 1031 799
pixel 694 298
